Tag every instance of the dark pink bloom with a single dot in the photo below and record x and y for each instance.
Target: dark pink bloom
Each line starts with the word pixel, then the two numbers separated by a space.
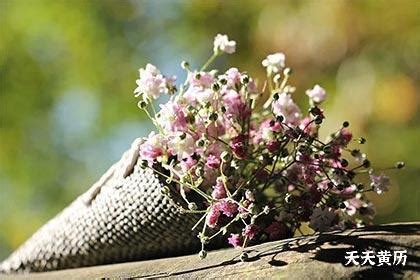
pixel 228 208
pixel 344 137
pixel 238 146
pixel 251 230
pixel 235 240
pixel 213 216
pixel 213 162
pixel 219 190
pixel 273 146
pixel 307 126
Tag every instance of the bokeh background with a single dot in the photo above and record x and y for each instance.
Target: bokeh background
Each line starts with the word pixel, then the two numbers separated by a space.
pixel 68 70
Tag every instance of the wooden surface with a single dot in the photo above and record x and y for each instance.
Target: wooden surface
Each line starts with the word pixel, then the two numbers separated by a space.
pixel 315 257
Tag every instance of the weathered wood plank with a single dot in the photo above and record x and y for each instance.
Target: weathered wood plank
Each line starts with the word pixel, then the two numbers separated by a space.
pixel 315 257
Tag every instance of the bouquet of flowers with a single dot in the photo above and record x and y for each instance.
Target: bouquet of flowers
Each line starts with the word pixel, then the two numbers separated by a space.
pixel 254 168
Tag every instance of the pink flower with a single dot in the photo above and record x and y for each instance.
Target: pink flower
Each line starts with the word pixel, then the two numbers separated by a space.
pixel 266 130
pixel 233 77
pixel 213 216
pixel 235 240
pixel 236 107
pixel 219 190
pixel 228 208
pixel 317 94
pixel 152 83
pixel 187 164
pixel 182 145
pixel 285 107
pixel 198 94
pixel 201 79
pixel 213 162
pixel 152 148
pixel 171 117
pixel 251 230
pixel 344 137
pixel 380 183
pixel 308 126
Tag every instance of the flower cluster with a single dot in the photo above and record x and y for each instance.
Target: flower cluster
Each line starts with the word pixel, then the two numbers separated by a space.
pixel 253 172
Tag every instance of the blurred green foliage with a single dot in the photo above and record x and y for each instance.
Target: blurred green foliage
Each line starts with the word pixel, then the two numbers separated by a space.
pixel 68 69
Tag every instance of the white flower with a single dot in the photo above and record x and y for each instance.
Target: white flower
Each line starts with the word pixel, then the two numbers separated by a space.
pixel 222 44
pixel 284 106
pixel 379 183
pixel 322 219
pixel 317 94
pixel 182 145
pixel 274 62
pixel 152 83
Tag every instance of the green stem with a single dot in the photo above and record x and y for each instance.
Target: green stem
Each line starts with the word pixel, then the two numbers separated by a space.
pixel 209 61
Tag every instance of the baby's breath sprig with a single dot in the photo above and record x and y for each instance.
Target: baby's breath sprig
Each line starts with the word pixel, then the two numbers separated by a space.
pixel 253 173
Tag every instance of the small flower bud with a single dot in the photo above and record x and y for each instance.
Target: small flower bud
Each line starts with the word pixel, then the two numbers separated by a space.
pixel 244 257
pixel 344 162
pixel 288 198
pixel 280 119
pixel 327 149
pixel 213 117
pixel 346 124
pixel 192 206
pixel 225 156
pixel 200 143
pixel 223 109
pixel 400 164
pixel 164 190
pixel 362 140
pixel 199 172
pixel 366 163
pixel 183 136
pixel 277 78
pixel 216 86
pixel 249 195
pixel 245 79
pixel 198 76
pixel 276 96
pixel 185 65
pixel 142 104
pixel 318 120
pixel 144 164
pixel 202 254
pixel 287 71
pixel 223 81
pixel 355 152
